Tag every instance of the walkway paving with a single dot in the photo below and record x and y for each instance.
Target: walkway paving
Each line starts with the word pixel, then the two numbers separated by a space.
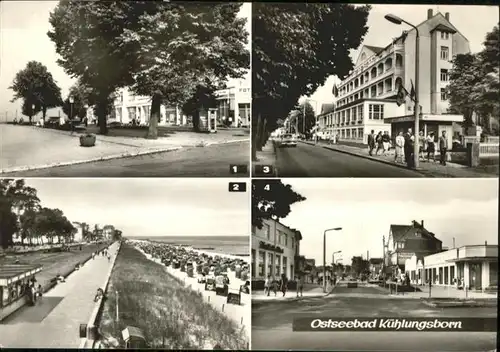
pixel 26 147
pixel 309 291
pixel 430 169
pixel 266 157
pixel 55 320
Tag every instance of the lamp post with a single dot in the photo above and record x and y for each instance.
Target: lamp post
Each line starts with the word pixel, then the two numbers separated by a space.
pixel 71 101
pixel 333 259
pixel 324 254
pixel 32 110
pixel 398 21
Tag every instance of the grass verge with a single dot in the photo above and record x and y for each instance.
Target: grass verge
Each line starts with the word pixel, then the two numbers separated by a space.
pixel 171 315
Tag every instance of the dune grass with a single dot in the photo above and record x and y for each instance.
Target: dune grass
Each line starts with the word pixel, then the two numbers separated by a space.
pixel 170 315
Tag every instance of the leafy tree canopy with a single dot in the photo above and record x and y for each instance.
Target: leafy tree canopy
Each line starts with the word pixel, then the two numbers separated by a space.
pixel 271 199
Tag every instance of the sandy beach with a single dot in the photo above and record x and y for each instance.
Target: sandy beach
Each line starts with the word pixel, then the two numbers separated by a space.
pixel 240 314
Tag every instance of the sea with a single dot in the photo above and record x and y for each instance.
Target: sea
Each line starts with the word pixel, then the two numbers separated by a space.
pixel 232 245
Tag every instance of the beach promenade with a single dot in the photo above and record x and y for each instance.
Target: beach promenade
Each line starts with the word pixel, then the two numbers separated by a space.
pixel 55 320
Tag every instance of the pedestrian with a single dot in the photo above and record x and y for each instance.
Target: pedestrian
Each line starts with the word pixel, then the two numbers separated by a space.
pixel 33 292
pixel 40 291
pixel 443 148
pixel 371 142
pixel 284 284
pixel 386 142
pixel 275 286
pixel 267 285
pixel 431 147
pixel 300 285
pixel 380 142
pixel 400 143
pixel 422 141
pixel 334 280
pixel 408 148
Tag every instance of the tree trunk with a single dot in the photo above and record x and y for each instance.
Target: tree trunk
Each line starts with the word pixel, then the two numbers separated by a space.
pixel 258 133
pixel 254 140
pixel 44 113
pixel 155 115
pixel 30 119
pixel 101 110
pixel 264 133
pixel 196 121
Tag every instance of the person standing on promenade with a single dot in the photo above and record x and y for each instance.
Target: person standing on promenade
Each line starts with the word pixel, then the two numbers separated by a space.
pixel 443 148
pixel 371 142
pixel 400 143
pixel 408 148
pixel 284 284
pixel 267 285
pixel 300 285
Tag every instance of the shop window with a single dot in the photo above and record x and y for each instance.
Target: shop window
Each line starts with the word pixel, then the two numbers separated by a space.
pixel 277 265
pixel 262 263
pixel 269 263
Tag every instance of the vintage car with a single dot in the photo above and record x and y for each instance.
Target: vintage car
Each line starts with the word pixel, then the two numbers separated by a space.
pixel 287 140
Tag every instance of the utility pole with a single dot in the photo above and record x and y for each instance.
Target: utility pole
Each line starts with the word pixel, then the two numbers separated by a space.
pixel 304 121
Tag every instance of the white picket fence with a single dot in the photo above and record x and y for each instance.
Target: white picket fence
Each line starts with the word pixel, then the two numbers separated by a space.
pixel 488 149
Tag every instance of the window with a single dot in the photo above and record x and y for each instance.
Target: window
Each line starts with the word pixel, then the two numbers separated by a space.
pixel 445 35
pixel 353 114
pixel 293 243
pixel 348 115
pixel 284 239
pixel 267 231
pixel 444 96
pixel 360 113
pixel 376 112
pixel 444 75
pixel 269 263
pixel 444 53
pixel 283 269
pixel 360 132
pixel 277 264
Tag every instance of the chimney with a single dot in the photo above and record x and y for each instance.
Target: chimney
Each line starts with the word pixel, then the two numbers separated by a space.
pixel 429 14
pixel 485 243
pixel 422 223
pixel 447 16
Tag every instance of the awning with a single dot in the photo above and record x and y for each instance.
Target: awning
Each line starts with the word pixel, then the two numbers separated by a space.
pixel 473 259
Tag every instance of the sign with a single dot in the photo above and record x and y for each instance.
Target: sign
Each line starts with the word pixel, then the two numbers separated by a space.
pixel 234 298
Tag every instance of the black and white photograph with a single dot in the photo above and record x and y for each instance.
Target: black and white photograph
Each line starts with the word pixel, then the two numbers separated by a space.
pixel 375 90
pixel 125 89
pixel 124 264
pixel 350 248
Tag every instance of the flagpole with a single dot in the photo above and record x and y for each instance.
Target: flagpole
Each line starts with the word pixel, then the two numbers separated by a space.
pixel 417 105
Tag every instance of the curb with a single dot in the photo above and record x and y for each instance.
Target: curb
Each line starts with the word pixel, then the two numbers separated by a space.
pixel 77 162
pixel 92 323
pixel 420 171
pixel 112 157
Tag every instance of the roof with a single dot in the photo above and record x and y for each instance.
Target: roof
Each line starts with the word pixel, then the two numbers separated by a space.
pixel 15 272
pixel 400 232
pixel 375 49
pixel 326 108
pixel 443 28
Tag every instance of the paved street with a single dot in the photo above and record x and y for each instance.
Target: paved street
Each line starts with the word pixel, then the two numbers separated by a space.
pixel 199 155
pixel 210 161
pixel 54 322
pixel 272 324
pixel 312 161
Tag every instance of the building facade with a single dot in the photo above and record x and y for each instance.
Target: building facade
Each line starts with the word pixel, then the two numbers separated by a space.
pixel 367 97
pixel 324 121
pixel 234 104
pixel 274 250
pixel 406 241
pixel 475 266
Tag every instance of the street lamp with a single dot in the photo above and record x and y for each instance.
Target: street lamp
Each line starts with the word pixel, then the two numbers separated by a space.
pixel 324 254
pixel 333 259
pixel 71 101
pixel 397 20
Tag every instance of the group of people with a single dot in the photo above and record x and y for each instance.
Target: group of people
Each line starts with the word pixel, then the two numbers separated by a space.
pixel 404 146
pixel 34 292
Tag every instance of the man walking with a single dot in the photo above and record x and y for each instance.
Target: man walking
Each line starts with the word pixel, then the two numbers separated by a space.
pixel 386 142
pixel 443 148
pixel 300 285
pixel 371 142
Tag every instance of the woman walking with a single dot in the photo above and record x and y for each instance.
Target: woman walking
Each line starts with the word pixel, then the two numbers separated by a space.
pixel 284 284
pixel 431 147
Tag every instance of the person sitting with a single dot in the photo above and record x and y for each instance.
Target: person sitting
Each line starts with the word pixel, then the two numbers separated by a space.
pixel 99 295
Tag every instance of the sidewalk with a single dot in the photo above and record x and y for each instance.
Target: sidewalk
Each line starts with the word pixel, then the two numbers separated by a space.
pixel 429 169
pixel 26 148
pixel 308 292
pixel 54 322
pixel 267 156
pixel 440 292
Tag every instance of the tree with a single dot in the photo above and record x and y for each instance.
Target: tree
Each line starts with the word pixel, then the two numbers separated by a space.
pixel 296 47
pixel 203 97
pixel 359 265
pixel 8 223
pixel 86 34
pixel 271 199
pixel 298 118
pixel 117 235
pixel 36 86
pixel 182 46
pixel 82 96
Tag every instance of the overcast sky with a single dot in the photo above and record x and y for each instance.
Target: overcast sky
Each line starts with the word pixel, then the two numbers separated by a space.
pixel 365 208
pixel 472 21
pixel 23 38
pixel 150 207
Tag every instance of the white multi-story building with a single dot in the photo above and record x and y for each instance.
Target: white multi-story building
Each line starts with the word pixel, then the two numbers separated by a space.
pixel 367 97
pixel 234 103
pixel 274 250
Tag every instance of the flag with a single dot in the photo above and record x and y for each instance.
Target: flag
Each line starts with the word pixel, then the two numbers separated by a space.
pixel 402 94
pixel 412 92
pixel 335 91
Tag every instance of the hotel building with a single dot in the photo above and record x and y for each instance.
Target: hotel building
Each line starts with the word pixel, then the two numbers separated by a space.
pixel 367 97
pixel 275 248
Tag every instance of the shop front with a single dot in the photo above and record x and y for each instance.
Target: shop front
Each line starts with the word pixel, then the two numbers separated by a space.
pixel 14 282
pixel 428 124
